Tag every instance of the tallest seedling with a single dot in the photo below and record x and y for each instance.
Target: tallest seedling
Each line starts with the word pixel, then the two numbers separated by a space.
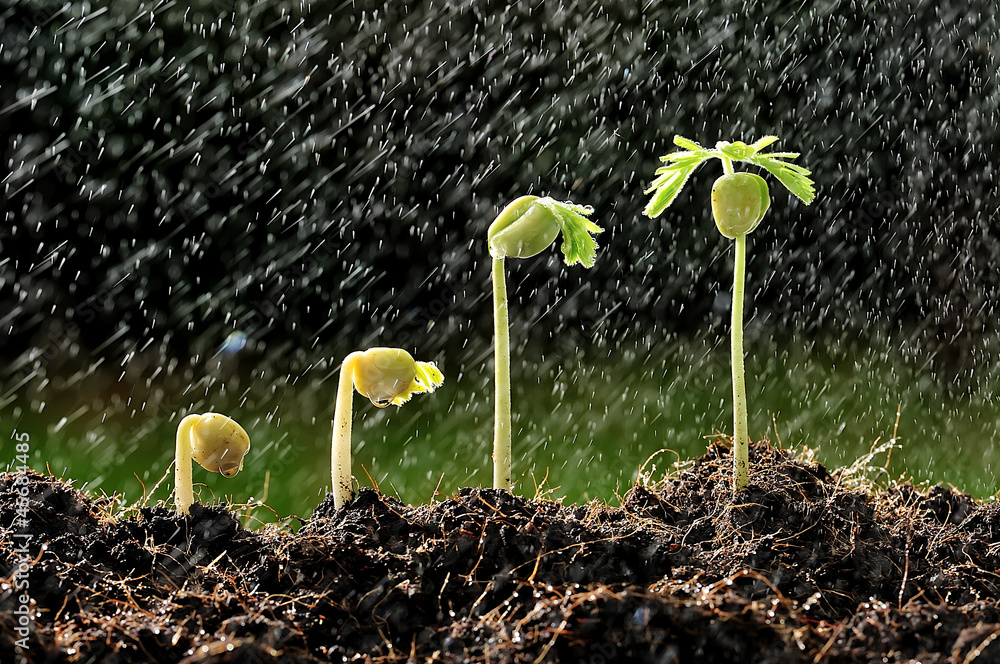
pixel 524 229
pixel 739 201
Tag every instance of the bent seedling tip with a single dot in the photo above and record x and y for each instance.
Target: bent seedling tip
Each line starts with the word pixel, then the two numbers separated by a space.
pixel 217 442
pixel 385 376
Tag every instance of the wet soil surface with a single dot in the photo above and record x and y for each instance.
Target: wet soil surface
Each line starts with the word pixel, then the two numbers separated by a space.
pixel 804 566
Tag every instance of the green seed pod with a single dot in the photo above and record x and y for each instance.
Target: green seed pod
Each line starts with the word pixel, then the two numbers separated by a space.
pixel 739 201
pixel 522 229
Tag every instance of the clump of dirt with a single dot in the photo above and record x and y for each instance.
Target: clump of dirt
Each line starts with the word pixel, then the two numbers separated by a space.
pixel 803 566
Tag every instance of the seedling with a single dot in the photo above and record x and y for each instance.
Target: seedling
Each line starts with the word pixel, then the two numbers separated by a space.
pixel 216 442
pixel 523 229
pixel 384 375
pixel 739 201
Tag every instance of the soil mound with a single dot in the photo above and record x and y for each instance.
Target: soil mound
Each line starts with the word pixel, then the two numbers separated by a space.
pixel 805 565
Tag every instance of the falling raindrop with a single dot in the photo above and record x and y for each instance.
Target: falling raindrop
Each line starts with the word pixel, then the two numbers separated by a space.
pixel 207 208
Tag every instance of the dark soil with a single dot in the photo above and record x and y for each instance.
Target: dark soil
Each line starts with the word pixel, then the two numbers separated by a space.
pixel 804 566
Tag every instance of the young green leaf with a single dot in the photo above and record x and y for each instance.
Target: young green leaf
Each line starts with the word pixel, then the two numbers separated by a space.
pixel 672 177
pixel 578 244
pixel 794 177
pixel 762 143
pixel 737 151
pixel 671 180
pixel 688 144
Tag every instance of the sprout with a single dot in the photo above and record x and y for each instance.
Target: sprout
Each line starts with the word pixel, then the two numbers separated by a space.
pixel 385 376
pixel 739 201
pixel 216 442
pixel 523 229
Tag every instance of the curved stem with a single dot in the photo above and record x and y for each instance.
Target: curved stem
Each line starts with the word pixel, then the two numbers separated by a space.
pixel 183 491
pixel 502 419
pixel 340 451
pixel 727 165
pixel 741 436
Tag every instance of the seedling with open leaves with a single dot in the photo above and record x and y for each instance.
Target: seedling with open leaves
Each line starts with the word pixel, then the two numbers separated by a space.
pixel 739 201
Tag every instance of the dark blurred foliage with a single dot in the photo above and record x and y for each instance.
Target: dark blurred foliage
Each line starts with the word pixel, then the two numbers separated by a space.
pixel 323 173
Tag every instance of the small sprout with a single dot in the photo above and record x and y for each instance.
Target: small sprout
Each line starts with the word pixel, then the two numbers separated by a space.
pixel 385 376
pixel 216 442
pixel 528 225
pixel 739 201
pixel 525 228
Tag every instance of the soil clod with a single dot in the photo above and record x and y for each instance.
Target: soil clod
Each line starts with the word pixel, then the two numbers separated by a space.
pixel 802 566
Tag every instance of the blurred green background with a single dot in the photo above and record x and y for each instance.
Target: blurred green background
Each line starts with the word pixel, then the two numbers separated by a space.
pixel 207 206
pixel 585 421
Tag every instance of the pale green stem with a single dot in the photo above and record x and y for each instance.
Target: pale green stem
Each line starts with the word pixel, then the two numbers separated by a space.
pixel 741 436
pixel 501 360
pixel 183 490
pixel 727 165
pixel 340 451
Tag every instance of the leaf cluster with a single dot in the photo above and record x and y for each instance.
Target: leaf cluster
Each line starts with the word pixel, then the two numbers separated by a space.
pixel 578 244
pixel 681 164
